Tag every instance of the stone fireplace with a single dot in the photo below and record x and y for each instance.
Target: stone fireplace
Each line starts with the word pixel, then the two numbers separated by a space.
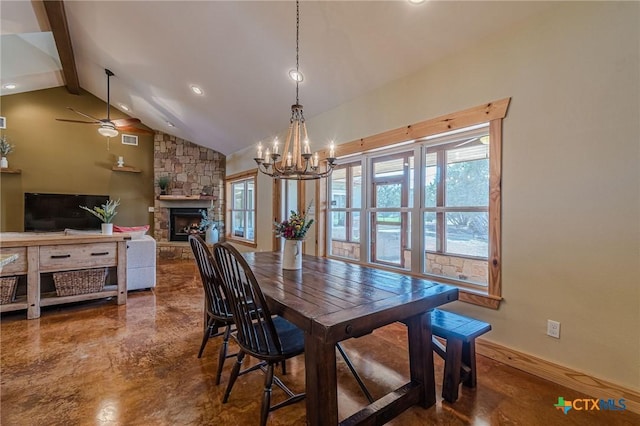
pixel 184 221
pixel 197 182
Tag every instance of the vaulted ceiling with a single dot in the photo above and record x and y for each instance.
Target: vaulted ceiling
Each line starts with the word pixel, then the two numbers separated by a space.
pixel 239 53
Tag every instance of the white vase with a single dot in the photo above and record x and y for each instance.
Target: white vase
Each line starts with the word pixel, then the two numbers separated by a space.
pixel 4 163
pixel 292 254
pixel 212 235
pixel 107 228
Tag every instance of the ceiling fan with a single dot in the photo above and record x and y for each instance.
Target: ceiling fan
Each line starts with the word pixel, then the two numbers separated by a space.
pixel 108 127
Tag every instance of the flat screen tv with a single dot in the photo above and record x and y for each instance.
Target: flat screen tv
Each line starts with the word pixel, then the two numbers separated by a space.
pixel 56 212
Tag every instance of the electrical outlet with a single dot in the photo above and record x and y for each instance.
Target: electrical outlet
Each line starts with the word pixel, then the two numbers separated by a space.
pixel 553 329
pixel 151 209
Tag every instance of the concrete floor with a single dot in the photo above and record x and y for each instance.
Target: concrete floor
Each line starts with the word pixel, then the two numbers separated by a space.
pixel 97 363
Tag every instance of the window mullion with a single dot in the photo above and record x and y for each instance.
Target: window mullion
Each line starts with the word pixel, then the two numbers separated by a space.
pixel 417 223
pixel 440 216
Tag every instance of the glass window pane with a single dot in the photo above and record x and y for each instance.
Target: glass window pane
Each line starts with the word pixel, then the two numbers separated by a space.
pixel 250 225
pixel 389 168
pixel 339 188
pixel 338 226
pixel 467 233
pixel 238 195
pixel 356 187
pixel 389 195
pixel 411 180
pixel 237 224
pixel 292 197
pixel 407 231
pixel 250 194
pixel 387 231
pixel 430 234
pixel 467 176
pixel 355 226
pixel 430 182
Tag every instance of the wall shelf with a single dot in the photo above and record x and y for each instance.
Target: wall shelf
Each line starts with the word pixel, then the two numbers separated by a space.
pixel 10 170
pixel 126 169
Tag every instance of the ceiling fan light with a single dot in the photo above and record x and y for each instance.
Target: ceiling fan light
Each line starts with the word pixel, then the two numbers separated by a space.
pixel 108 131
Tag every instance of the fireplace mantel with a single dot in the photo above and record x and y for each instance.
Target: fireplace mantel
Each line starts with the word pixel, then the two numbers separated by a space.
pixel 186 197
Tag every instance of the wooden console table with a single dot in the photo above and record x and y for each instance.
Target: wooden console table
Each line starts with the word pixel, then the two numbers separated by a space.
pixel 42 253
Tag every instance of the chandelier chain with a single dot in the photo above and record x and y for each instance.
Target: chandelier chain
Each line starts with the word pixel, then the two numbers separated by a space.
pixel 297 48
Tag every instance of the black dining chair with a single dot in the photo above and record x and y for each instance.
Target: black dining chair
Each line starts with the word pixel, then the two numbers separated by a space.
pixel 217 309
pixel 270 339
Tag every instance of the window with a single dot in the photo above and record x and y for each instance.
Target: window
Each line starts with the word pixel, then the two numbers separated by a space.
pixel 429 200
pixel 456 207
pixel 289 197
pixel 345 202
pixel 392 197
pixel 241 190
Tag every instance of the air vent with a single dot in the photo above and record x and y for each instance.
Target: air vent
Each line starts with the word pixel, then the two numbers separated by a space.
pixel 129 139
pixel 3 123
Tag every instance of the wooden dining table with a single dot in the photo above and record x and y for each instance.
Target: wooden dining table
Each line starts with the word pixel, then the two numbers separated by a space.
pixel 332 301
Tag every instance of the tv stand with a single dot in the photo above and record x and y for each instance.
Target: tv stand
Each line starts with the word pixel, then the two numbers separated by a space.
pixel 45 253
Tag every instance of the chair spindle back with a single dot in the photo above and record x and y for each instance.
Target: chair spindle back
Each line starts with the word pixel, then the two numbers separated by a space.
pixel 256 332
pixel 210 279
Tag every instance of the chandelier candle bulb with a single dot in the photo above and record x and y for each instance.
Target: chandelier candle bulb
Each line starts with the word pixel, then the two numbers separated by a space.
pixel 314 160
pixel 332 151
pixel 260 150
pixel 289 157
pixel 267 157
pixel 275 146
pixel 307 150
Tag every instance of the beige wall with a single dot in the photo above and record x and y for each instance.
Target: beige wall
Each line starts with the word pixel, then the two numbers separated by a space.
pixel 571 175
pixel 69 158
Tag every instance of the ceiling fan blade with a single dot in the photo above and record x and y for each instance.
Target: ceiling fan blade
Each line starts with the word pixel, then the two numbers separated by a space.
pixel 131 129
pixel 77 121
pixel 84 115
pixel 125 121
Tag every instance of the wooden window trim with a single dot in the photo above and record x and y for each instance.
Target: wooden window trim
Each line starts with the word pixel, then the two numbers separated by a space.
pixel 230 180
pixel 493 113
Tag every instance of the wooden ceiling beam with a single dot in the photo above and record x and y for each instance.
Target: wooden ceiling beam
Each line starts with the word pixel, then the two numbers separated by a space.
pixel 60 28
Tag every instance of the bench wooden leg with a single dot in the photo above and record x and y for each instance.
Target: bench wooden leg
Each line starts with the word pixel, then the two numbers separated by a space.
pixel 469 359
pixel 452 367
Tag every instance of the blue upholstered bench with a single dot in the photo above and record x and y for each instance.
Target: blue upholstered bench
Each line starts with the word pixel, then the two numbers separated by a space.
pixel 459 354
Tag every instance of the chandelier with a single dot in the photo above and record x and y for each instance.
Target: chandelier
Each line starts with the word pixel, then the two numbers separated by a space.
pixel 296 161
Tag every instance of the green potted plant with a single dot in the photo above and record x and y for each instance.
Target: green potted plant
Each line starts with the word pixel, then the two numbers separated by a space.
pixel 163 183
pixel 5 149
pixel 105 213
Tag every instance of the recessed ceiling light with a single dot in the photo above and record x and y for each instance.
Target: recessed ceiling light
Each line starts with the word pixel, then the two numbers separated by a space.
pixel 170 124
pixel 9 86
pixel 416 1
pixel 124 107
pixel 197 90
pixel 296 75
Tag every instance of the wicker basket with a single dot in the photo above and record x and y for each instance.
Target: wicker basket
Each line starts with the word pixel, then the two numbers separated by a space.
pixel 83 281
pixel 7 289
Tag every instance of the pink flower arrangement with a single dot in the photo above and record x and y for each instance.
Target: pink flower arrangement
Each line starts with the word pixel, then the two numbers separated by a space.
pixel 294 228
